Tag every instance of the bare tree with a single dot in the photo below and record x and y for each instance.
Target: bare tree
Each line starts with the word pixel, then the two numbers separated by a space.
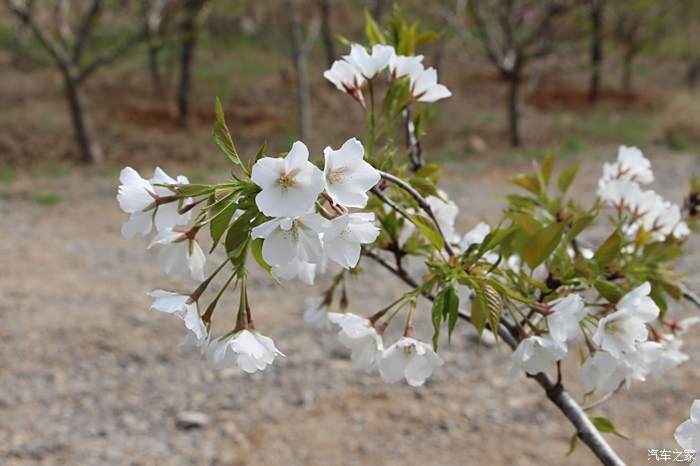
pixel 152 12
pixel 189 34
pixel 64 29
pixel 638 24
pixel 596 14
pixel 301 45
pixel 513 34
pixel 327 30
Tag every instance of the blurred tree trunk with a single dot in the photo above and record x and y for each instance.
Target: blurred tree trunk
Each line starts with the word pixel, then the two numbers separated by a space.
pixel 693 73
pixel 152 12
pixel 627 70
pixel 189 30
pixel 327 31
pixel 596 17
pixel 514 80
pixel 300 48
pixel 378 10
pixel 90 150
pixel 65 40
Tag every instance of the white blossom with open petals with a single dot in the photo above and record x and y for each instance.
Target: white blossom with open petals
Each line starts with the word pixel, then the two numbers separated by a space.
pixel 347 176
pixel 346 77
pixel 345 235
pixel 370 64
pixel 621 330
pixel 445 212
pixel 317 315
pixel 287 239
pixel 563 322
pixel 410 359
pixel 688 433
pixel 360 336
pixel 630 165
pixel 536 354
pixel 179 255
pixel 137 197
pixel 249 350
pixel 304 271
pixel 425 88
pixel 402 65
pixel 290 185
pixel 668 357
pixel 183 307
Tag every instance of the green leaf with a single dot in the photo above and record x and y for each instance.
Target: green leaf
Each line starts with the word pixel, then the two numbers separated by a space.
pixel 566 177
pixel 657 294
pixel 445 307
pixel 480 311
pixel 572 444
pixel 373 31
pixel 542 244
pixel 424 186
pixel 220 217
pixel 609 290
pixel 529 182
pixel 528 222
pixel 222 137
pixel 609 249
pixel 578 226
pixel 547 167
pixel 194 190
pixel 256 251
pixel 237 238
pixel 427 229
pixel 605 425
pixel 432 171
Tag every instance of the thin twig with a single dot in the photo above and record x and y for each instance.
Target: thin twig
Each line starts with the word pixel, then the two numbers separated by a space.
pixel 603 399
pixel 422 203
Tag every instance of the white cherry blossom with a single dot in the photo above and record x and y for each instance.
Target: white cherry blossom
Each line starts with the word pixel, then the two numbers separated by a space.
pixel 621 330
pixel 249 350
pixel 410 359
pixel 445 212
pixel 370 64
pixel 425 88
pixel 668 357
pixel 688 433
pixel 317 315
pixel 359 335
pixel 536 354
pixel 630 165
pixel 304 271
pixel 347 176
pixel 402 65
pixel 179 255
pixel 287 239
pixel 137 197
pixel 290 185
pixel 183 307
pixel 563 322
pixel 346 77
pixel 345 235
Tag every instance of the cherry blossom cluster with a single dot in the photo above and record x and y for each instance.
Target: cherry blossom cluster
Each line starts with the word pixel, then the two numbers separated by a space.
pixel 350 73
pixel 535 278
pixel 620 186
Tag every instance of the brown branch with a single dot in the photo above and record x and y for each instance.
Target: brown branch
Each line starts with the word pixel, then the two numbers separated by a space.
pixel 554 391
pixel 422 203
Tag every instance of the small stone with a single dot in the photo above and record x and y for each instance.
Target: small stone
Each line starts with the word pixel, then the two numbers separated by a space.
pixel 187 420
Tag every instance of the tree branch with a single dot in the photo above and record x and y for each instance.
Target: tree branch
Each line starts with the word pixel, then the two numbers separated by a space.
pixel 414 149
pixel 112 56
pixel 555 392
pixel 422 203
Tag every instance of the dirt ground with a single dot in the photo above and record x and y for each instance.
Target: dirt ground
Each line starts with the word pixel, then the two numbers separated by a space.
pixel 90 376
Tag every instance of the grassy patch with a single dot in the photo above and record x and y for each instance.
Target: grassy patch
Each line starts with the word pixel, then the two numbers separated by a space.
pixel 47 198
pixel 7 176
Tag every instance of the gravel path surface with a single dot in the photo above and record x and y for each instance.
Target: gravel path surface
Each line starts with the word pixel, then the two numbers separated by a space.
pixel 90 376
